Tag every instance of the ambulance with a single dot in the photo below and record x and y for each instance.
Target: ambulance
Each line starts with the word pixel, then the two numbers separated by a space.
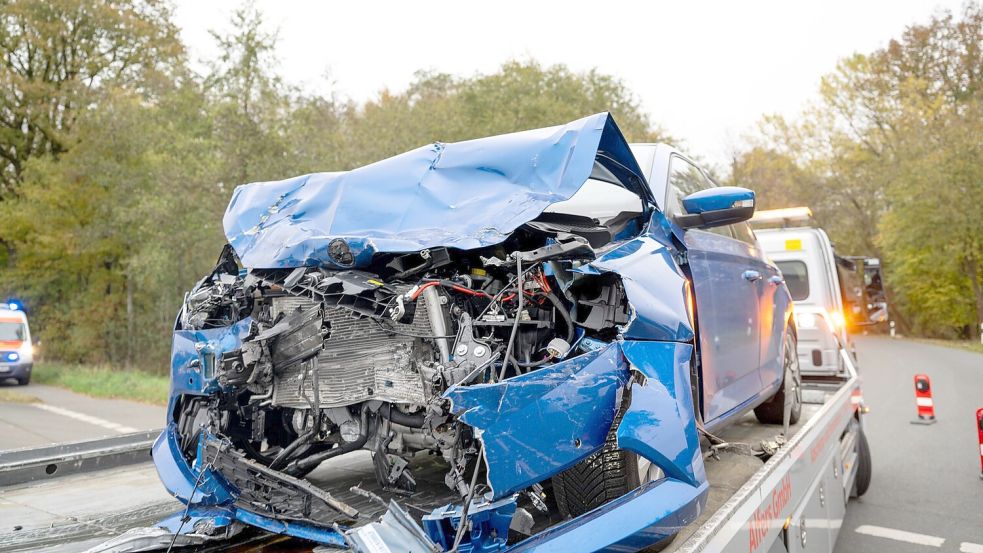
pixel 16 349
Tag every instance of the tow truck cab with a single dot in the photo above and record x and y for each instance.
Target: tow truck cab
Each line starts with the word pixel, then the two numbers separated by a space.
pixel 16 351
pixel 807 261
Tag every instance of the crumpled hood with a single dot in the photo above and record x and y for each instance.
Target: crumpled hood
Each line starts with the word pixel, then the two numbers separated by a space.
pixel 463 195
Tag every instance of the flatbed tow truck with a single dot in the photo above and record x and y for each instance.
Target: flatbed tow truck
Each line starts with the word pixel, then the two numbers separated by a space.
pixel 78 497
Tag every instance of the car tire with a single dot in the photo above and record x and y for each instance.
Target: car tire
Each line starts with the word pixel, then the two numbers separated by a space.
pixel 865 467
pixel 602 477
pixel 773 410
pixel 24 381
pixel 607 474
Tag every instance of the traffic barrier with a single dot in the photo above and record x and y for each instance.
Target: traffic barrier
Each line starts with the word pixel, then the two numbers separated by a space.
pixel 923 400
pixel 979 429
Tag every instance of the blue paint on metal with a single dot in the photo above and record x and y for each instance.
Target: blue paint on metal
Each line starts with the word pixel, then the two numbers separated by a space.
pixel 464 195
pixel 180 479
pixel 319 534
pixel 195 352
pixel 659 425
pixel 487 532
pixel 526 424
pixel 214 498
pixel 631 522
pixel 540 423
pixel 660 422
pixel 729 320
pixel 716 198
pixel 654 284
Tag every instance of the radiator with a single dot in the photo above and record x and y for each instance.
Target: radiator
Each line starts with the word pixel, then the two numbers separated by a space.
pixel 360 360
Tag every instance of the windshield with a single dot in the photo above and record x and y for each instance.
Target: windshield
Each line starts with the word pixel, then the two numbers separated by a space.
pixel 796 278
pixel 11 331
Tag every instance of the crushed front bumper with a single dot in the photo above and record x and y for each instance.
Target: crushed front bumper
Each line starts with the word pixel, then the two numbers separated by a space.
pixel 658 425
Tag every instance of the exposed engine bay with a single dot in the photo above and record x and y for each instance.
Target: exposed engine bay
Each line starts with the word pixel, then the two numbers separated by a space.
pixel 337 361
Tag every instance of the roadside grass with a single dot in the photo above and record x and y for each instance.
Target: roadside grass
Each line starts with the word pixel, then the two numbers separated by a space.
pixel 11 396
pixel 98 381
pixel 970 345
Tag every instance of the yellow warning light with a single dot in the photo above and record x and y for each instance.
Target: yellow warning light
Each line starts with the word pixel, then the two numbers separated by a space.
pixel 793 244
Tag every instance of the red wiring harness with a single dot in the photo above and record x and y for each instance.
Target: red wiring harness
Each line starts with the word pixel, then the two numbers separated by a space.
pixel 539 277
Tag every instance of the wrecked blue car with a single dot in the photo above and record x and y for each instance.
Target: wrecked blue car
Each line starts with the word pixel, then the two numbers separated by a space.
pixel 512 343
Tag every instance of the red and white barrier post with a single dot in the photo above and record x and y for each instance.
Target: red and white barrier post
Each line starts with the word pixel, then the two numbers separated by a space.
pixel 979 428
pixel 923 400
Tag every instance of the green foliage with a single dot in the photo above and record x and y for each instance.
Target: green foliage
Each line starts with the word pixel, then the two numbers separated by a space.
pixel 60 56
pixel 106 227
pixel 104 381
pixel 891 161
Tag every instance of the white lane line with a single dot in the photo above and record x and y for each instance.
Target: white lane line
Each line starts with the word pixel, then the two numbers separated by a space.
pixel 85 418
pixel 967 547
pixel 900 535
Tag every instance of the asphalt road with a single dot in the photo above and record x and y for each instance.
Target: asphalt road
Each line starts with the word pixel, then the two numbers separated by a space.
pixel 926 478
pixel 43 415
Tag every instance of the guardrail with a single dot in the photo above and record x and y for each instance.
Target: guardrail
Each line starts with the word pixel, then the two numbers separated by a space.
pixel 21 466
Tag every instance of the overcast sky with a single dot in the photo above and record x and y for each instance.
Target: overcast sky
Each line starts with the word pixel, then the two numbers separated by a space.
pixel 706 71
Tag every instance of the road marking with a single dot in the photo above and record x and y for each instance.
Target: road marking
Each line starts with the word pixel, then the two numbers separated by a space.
pixel 85 418
pixel 900 535
pixel 967 547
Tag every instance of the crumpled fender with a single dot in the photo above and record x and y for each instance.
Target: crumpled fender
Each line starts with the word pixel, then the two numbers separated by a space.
pixel 540 423
pixel 655 286
pixel 660 422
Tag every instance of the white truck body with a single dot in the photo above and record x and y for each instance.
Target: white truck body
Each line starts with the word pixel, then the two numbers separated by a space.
pixel 805 257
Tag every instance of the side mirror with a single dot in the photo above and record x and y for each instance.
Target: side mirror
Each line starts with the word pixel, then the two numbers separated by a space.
pixel 716 207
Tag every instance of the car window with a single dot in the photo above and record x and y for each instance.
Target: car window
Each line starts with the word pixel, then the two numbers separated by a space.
pixel 685 179
pixel 742 231
pixel 10 331
pixel 796 278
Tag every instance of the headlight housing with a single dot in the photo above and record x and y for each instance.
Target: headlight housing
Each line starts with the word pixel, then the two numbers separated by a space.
pixel 11 356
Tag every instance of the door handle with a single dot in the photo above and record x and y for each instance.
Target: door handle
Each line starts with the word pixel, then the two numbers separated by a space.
pixel 751 276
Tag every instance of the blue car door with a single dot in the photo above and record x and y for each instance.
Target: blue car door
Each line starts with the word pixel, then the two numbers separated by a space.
pixel 726 285
pixel 773 301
